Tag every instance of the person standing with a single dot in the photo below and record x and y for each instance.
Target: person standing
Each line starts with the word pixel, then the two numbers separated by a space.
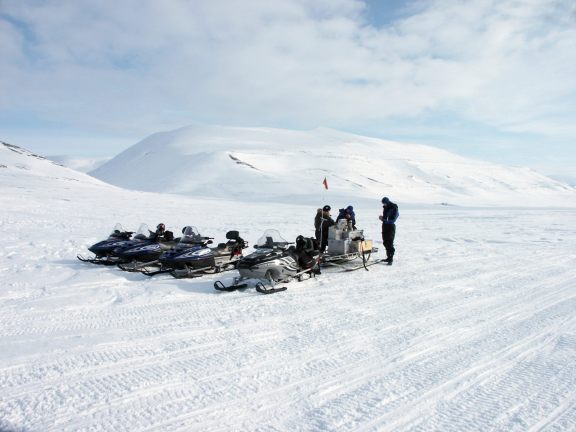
pixel 322 222
pixel 389 215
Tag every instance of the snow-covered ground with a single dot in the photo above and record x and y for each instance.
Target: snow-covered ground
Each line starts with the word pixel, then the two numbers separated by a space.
pixel 472 329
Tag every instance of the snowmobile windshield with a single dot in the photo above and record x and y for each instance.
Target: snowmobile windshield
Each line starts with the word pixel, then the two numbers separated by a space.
pixel 117 231
pixel 190 234
pixel 271 239
pixel 143 232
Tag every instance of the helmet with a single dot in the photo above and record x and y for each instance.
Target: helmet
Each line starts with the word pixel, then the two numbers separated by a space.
pixel 326 208
pixel 160 227
pixel 300 242
pixel 385 200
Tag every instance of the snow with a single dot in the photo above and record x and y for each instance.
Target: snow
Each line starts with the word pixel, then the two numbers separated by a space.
pixel 472 328
pixel 279 165
pixel 82 164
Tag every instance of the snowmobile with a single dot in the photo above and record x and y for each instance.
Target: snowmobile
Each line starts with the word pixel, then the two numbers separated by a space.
pixel 103 250
pixel 193 257
pixel 275 260
pixel 142 256
pixel 107 252
pixel 346 244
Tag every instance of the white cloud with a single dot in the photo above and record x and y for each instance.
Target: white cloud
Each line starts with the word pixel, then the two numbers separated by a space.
pixel 293 63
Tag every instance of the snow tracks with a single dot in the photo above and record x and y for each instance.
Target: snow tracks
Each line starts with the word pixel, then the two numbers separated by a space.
pixel 472 329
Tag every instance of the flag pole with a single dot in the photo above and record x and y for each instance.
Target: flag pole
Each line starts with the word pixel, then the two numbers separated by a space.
pixel 325 184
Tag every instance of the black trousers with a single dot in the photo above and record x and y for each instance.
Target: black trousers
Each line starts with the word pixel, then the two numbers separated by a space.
pixel 322 238
pixel 388 234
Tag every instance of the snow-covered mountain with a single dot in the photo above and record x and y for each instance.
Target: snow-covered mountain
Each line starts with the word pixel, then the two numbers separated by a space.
pixel 17 162
pixel 289 166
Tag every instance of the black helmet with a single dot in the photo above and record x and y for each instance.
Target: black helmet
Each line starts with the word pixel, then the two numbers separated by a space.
pixel 385 200
pixel 300 242
pixel 326 208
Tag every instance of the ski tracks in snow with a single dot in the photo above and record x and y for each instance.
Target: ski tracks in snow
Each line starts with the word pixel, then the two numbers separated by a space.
pixel 472 329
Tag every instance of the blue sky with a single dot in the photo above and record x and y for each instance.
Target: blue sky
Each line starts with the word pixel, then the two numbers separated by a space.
pixel 484 78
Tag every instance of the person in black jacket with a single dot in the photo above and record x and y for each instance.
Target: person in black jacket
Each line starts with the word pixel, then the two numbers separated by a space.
pixel 322 222
pixel 389 215
pixel 348 214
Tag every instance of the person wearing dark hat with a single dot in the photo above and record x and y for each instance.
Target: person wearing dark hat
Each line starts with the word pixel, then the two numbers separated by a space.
pixel 322 222
pixel 347 214
pixel 389 215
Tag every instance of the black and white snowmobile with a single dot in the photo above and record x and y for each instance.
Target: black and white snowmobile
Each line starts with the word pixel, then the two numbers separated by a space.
pixel 275 260
pixel 146 255
pixel 103 250
pixel 193 257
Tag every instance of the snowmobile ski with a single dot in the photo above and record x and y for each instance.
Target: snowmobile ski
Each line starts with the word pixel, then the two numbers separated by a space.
pixel 261 288
pixel 100 261
pixel 221 287
pixel 84 259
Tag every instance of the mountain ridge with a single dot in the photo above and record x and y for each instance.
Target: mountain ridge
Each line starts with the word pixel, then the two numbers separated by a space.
pixel 22 168
pixel 279 164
